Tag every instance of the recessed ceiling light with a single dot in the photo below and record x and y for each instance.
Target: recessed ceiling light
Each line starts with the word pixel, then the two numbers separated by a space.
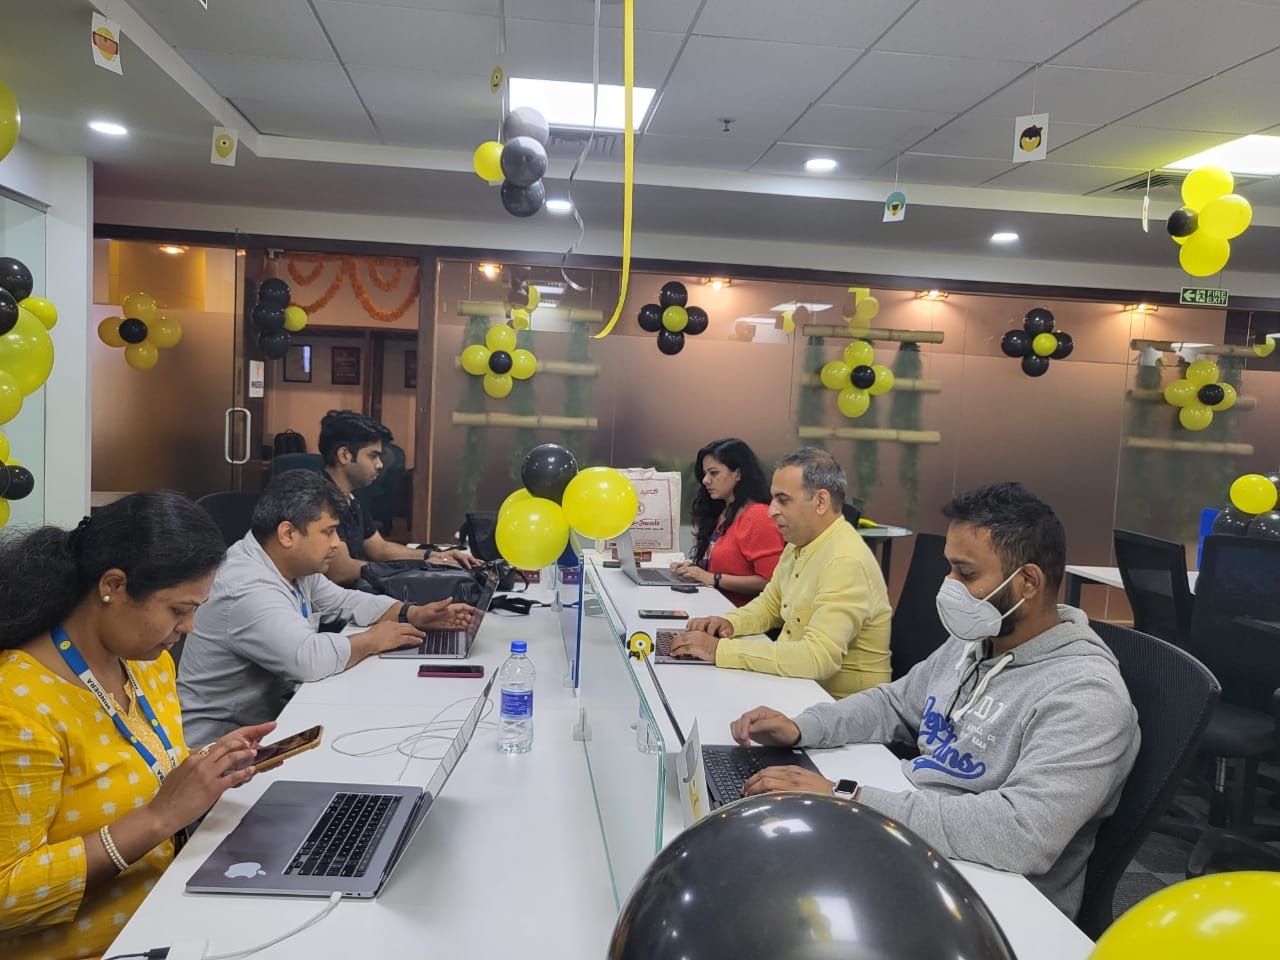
pixel 567 103
pixel 107 127
pixel 1142 308
pixel 1256 155
pixel 1004 236
pixel 490 270
pixel 717 283
pixel 559 206
pixel 820 165
pixel 172 249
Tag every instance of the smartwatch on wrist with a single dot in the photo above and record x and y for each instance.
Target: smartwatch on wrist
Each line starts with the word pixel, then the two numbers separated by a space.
pixel 404 611
pixel 846 789
pixel 717 581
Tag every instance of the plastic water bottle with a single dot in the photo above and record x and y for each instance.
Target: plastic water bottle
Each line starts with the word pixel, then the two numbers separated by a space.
pixel 515 681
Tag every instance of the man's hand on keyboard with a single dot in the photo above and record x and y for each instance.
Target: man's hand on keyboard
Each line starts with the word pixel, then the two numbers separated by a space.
pixel 441 615
pixel 715 626
pixel 765 726
pixel 788 778
pixel 696 644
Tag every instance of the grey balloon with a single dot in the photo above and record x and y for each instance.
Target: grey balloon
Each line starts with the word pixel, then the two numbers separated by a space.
pixel 526 122
pixel 789 876
pixel 1265 526
pixel 523 201
pixel 524 161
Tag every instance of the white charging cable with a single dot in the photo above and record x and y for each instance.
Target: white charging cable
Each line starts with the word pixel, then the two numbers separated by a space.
pixel 408 746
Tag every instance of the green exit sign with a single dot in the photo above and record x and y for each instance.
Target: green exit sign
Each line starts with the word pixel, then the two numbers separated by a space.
pixel 1203 297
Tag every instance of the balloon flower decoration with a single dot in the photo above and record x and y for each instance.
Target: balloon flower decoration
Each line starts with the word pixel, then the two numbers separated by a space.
pixel 143 331
pixel 858 378
pixel 26 350
pixel 862 309
pixel 16 481
pixel 534 522
pixel 671 318
pixel 1199 395
pixel 498 361
pixel 275 318
pixel 1253 508
pixel 1210 218
pixel 1037 343
pixel 519 161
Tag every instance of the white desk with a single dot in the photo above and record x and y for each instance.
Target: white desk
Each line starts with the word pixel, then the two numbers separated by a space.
pixel 1077 576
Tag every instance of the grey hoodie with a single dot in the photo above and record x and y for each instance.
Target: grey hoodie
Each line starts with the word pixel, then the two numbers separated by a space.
pixel 1018 768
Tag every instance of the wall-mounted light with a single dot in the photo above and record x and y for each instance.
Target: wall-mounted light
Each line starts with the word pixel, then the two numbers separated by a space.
pixel 931 294
pixel 1142 308
pixel 717 283
pixel 172 249
pixel 491 271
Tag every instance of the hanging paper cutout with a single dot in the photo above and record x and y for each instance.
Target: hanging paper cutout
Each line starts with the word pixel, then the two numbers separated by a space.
pixel 895 207
pixel 223 149
pixel 104 40
pixel 1030 137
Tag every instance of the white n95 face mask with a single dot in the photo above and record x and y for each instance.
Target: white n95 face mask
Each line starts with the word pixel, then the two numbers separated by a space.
pixel 968 618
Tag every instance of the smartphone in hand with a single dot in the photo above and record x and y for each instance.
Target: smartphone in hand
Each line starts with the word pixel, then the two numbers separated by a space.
pixel 272 755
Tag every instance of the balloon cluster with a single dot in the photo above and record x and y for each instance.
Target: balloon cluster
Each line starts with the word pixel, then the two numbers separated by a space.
pixel 671 318
pixel 524 299
pixel 143 331
pixel 519 160
pixel 862 309
pixel 1253 508
pixel 16 480
pixel 498 361
pixel 534 522
pixel 1037 343
pixel 1211 217
pixel 26 350
pixel 1199 394
pixel 275 318
pixel 858 378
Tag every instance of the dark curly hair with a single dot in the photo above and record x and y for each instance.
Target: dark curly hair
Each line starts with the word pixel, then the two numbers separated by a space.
pixel 752 488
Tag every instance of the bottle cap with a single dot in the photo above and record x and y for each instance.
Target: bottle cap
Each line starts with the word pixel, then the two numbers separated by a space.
pixel 519 646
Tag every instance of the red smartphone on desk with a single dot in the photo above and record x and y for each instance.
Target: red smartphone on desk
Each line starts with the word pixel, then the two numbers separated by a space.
pixel 471 671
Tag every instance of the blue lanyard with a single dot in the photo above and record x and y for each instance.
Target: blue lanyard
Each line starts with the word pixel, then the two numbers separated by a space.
pixel 302 601
pixel 62 643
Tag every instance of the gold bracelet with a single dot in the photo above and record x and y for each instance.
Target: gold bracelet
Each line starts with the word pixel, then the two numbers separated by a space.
pixel 112 851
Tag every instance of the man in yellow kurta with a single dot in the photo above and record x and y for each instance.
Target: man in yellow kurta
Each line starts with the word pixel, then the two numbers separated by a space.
pixel 827 594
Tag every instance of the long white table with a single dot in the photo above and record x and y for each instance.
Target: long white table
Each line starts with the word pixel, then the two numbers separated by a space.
pixel 1077 576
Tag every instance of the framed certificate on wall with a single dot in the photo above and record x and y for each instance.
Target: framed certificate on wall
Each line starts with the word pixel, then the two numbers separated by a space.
pixel 297 364
pixel 345 367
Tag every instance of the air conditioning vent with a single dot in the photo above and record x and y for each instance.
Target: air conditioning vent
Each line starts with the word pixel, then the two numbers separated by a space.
pixel 1163 183
pixel 565 142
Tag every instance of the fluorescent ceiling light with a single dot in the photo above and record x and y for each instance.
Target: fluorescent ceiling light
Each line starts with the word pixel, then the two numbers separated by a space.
pixel 549 290
pixel 107 127
pixel 820 165
pixel 811 307
pixel 1256 155
pixel 559 206
pixel 567 103
pixel 1004 236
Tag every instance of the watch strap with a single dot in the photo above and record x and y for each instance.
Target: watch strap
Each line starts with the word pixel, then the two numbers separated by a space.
pixel 717 580
pixel 404 612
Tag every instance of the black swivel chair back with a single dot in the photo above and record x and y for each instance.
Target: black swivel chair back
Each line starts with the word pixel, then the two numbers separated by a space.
pixel 1174 694
pixel 1154 573
pixel 232 511
pixel 917 631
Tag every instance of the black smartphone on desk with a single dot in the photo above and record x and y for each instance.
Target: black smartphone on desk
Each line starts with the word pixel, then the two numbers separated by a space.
pixel 472 671
pixel 684 588
pixel 663 614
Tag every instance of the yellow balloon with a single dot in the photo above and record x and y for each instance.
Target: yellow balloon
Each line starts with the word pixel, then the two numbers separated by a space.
pixel 1203 255
pixel 868 309
pixel 1180 393
pixel 523 364
pixel 500 337
pixel 1201 372
pixel 140 306
pixel 1265 348
pixel 1215 917
pixel 1179 240
pixel 675 318
pixel 4 512
pixel 1044 344
pixel 10 120
pixel 533 299
pixel 1227 217
pixel 788 321
pixel 835 375
pixel 1229 397
pixel 487 161
pixel 165 332
pixel 1195 416
pixel 109 332
pixel 859 354
pixel 531 533
pixel 26 352
pixel 884 380
pixel 475 359
pixel 520 318
pixel 514 497
pixel 295 319
pixel 42 310
pixel 1254 493
pixel 4 448
pixel 141 356
pixel 10 399
pixel 498 385
pixel 853 402
pixel 600 503
pixel 1204 184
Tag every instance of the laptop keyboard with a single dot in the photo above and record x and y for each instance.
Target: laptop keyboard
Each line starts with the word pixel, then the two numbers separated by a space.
pixel 440 642
pixel 663 642
pixel 728 770
pixel 343 841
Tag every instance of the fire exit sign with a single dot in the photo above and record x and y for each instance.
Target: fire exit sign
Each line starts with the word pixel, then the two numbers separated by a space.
pixel 1203 297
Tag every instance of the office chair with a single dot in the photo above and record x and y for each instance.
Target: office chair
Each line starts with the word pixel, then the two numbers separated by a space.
pixel 1158 675
pixel 232 511
pixel 1154 573
pixel 383 500
pixel 296 461
pixel 916 630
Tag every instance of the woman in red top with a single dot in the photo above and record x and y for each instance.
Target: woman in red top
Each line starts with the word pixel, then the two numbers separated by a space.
pixel 736 545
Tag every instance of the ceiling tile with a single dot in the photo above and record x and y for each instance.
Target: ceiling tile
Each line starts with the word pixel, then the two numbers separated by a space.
pixel 1048 177
pixel 281 28
pixel 1264 69
pixel 789 158
pixel 425 109
pixel 1120 145
pixel 387 36
pixel 667 16
pixel 308 119
pixel 974 136
pixel 262 78
pixel 485 7
pixel 865 127
pixel 562 51
pixel 905 81
pixel 1221 105
pixel 946 171
pixel 728 152
pixel 1079 95
pixel 833 23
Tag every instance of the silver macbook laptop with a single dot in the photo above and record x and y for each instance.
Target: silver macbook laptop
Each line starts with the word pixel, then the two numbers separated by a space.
pixel 662 641
pixel 646 576
pixel 451 644
pixel 314 839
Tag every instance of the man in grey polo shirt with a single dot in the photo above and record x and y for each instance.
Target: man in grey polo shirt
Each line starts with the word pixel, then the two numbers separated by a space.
pixel 257 637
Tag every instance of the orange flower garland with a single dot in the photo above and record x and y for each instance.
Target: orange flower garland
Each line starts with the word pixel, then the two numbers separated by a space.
pixel 349 270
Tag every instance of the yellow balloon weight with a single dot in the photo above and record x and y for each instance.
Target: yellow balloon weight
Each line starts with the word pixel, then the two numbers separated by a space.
pixel 141 356
pixel 859 354
pixel 1203 255
pixel 41 309
pixel 868 309
pixel 520 318
pixel 10 400
pixel 523 364
pixel 498 385
pixel 1201 372
pixel 675 318
pixel 533 298
pixel 1180 393
pixel 4 448
pixel 295 319
pixel 1254 493
pixel 1204 184
pixel 26 352
pixel 1227 217
pixel 10 120
pixel 487 161
pixel 500 337
pixel 475 359
pixel 531 533
pixel 1043 344
pixel 4 512
pixel 514 497
pixel 1222 916
pixel 1229 397
pixel 884 380
pixel 140 306
pixel 600 503
pixel 165 332
pixel 109 332
pixel 835 375
pixel 1195 417
pixel 853 402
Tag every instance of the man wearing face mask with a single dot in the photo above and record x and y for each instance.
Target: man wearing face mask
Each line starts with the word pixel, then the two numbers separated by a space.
pixel 1023 724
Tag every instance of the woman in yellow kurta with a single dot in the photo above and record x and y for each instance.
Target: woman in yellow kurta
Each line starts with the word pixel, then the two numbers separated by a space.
pixel 95 779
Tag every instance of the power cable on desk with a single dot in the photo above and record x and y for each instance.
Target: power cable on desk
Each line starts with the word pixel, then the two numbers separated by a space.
pixel 433 729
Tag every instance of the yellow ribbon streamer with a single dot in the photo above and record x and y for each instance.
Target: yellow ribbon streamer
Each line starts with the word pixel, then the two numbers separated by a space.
pixel 628 156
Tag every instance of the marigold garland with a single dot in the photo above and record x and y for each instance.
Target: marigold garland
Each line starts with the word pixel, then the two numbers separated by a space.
pixel 349 270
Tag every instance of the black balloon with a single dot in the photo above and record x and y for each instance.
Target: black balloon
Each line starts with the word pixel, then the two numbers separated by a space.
pixel 674 294
pixel 16 278
pixel 133 330
pixel 1182 222
pixel 1266 526
pixel 524 161
pixel 698 321
pixel 268 317
pixel 523 201
pixel 1016 343
pixel 8 312
pixel 1274 478
pixel 767 877
pixel 500 361
pixel 1065 346
pixel 275 291
pixel 1034 366
pixel 862 377
pixel 651 318
pixel 547 470
pixel 21 483
pixel 1232 522
pixel 1038 320
pixel 671 342
pixel 1211 394
pixel 274 344
pixel 4 479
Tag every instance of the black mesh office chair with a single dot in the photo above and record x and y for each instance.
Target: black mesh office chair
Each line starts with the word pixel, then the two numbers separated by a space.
pixel 1158 676
pixel 917 631
pixel 232 511
pixel 1154 573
